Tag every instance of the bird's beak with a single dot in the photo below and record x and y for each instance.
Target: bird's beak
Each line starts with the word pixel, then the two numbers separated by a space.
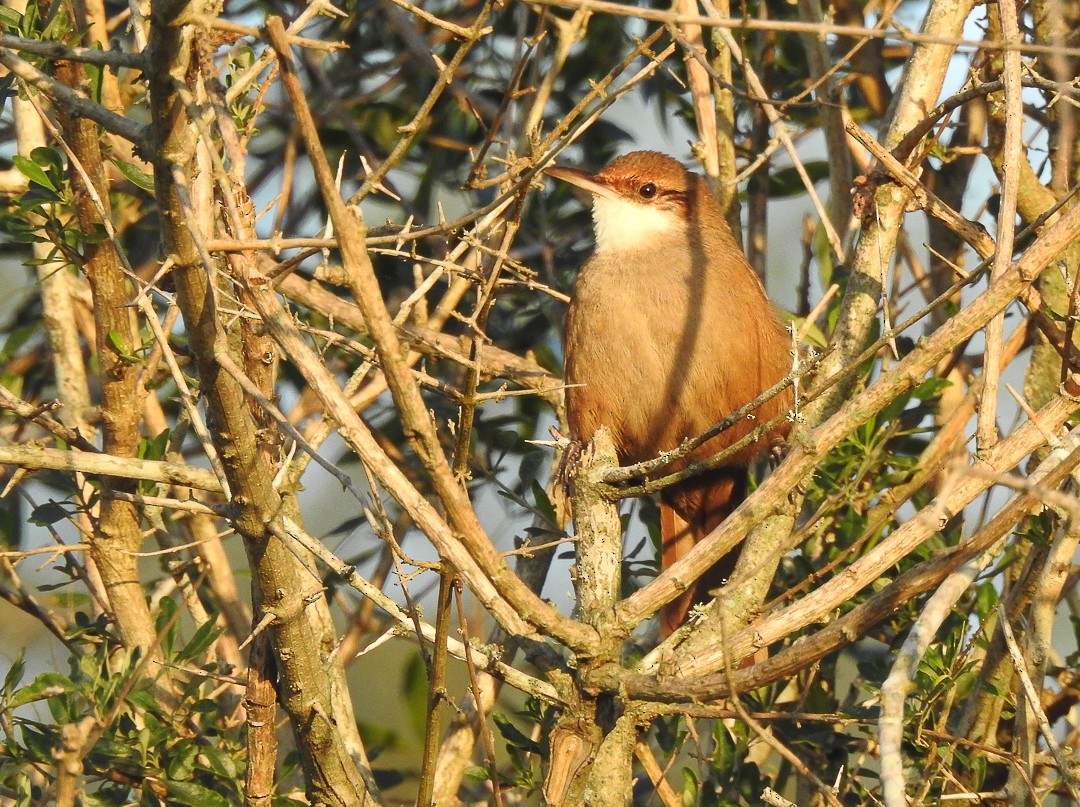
pixel 581 179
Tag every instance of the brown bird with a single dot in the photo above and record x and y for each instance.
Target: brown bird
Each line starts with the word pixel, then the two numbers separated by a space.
pixel 669 330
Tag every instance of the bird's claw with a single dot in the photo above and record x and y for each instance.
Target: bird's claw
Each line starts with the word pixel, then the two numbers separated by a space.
pixel 778 450
pixel 568 463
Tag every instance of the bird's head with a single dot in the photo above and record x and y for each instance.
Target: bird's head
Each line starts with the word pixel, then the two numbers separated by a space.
pixel 637 198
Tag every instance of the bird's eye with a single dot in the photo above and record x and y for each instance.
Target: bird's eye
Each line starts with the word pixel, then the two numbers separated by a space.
pixel 648 190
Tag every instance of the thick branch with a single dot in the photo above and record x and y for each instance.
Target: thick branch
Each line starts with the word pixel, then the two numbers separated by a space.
pixel 919 89
pixel 411 408
pixel 282 584
pixel 75 102
pixel 58 51
pixel 55 459
pixel 804 456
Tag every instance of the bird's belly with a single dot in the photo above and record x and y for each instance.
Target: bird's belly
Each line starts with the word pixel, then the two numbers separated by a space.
pixel 652 387
pixel 660 356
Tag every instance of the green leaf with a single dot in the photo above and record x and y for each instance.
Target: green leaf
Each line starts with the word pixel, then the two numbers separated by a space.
pixel 787 182
pixel 15 673
pixel 477 773
pixel 29 19
pixel 194 795
pixel 543 503
pixel 121 348
pixel 154 449
pixel 725 756
pixel 986 599
pixel 55 586
pixel 690 787
pixel 135 175
pixel 414 690
pixel 143 700
pixel 7 87
pixel 46 685
pixel 48 158
pixel 94 75
pixel 96 235
pixel 931 388
pixel 220 762
pixel 166 611
pixel 182 762
pixel 514 736
pixel 16 338
pixel 9 18
pixel 49 513
pixel 32 171
pixel 205 636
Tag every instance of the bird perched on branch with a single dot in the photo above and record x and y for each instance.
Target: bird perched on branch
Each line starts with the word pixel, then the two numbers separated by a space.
pixel 669 330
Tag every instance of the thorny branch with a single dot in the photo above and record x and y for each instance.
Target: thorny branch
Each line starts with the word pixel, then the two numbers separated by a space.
pixel 425 350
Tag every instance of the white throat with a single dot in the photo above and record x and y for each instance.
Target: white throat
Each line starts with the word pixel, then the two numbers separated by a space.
pixel 623 224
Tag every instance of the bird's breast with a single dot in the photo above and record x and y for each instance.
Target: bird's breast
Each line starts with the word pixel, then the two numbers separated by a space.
pixel 658 349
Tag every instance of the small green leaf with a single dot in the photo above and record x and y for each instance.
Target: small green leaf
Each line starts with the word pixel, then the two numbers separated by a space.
pixel 219 761
pixel 690 787
pixel 32 171
pixel 46 685
pixel 9 18
pixel 514 736
pixel 194 795
pixel 154 449
pixel 55 586
pixel 786 182
pixel 28 21
pixel 48 158
pixel 7 85
pixel 15 673
pixel 543 503
pixel 17 337
pixel 97 235
pixel 94 75
pixel 143 700
pixel 135 175
pixel 49 513
pixel 121 348
pixel 931 388
pixel 182 762
pixel 205 636
pixel 725 755
pixel 414 692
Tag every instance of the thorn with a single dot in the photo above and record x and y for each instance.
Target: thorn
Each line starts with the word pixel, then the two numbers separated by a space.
pixel 268 619
pixel 386 637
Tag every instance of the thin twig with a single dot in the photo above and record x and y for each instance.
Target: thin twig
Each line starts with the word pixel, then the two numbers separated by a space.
pixel 987 431
pixel 76 103
pixel 474 683
pixel 515 678
pixel 750 24
pixel 1035 704
pixel 770 740
pixel 56 51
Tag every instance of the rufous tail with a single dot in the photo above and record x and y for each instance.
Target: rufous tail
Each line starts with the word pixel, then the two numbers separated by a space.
pixel 688 512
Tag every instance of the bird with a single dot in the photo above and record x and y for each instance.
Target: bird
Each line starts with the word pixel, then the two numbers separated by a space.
pixel 668 331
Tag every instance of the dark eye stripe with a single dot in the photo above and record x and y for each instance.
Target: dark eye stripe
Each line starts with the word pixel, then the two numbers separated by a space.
pixel 676 197
pixel 671 196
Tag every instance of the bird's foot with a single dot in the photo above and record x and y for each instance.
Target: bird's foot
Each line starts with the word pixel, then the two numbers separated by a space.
pixel 778 450
pixel 571 455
